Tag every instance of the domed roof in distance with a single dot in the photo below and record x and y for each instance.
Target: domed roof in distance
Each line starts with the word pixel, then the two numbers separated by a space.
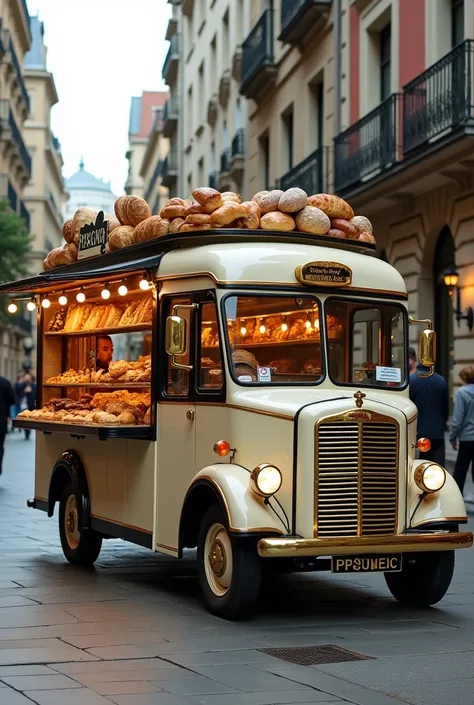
pixel 86 181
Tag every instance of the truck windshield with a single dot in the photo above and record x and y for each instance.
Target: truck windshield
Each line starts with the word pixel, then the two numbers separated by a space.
pixel 274 339
pixel 369 349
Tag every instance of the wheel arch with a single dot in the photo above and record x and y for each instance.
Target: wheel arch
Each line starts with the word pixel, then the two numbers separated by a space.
pixel 200 496
pixel 69 468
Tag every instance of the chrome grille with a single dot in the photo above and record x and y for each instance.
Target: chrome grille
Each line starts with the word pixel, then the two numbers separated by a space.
pixel 356 478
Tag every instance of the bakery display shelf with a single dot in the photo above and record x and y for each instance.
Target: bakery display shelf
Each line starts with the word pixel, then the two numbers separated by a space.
pixel 277 343
pixel 101 331
pixel 104 385
pixel 103 433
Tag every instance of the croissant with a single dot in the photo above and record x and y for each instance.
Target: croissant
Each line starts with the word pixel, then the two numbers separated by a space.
pixel 172 210
pixel 68 230
pixel 208 198
pixel 83 216
pixel 152 227
pixel 229 212
pixel 175 224
pixel 252 220
pixel 123 236
pixel 199 219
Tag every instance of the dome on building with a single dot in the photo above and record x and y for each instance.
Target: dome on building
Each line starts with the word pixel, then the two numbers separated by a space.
pixel 83 179
pixel 85 189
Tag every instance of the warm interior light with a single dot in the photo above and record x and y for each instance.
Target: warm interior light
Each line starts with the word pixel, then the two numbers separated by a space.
pixel 262 327
pixel 12 307
pixel 284 326
pixel 105 293
pixel 243 330
pixel 144 284
pixel 308 324
pixel 62 301
pixel 451 279
pixel 46 303
pixel 424 445
pixel 316 323
pixel 123 290
pixel 31 305
pixel 222 448
pixel 80 296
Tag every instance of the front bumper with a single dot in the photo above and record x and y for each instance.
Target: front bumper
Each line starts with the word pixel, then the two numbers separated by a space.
pixel 403 543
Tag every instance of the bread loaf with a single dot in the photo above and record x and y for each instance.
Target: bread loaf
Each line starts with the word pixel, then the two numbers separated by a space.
pixel 68 230
pixel 196 208
pixel 333 206
pixel 277 221
pixel 312 220
pixel 293 200
pixel 189 228
pixel 334 232
pixel 57 258
pixel 72 249
pixel 112 222
pixel 136 210
pixel 121 237
pixel 208 198
pixel 175 224
pixel 268 200
pixel 150 228
pixel 173 210
pixel 252 220
pixel 229 212
pixel 367 237
pixel 175 202
pixel 231 196
pixel 362 224
pixel 83 216
pixel 199 219
pixel 119 208
pixel 346 226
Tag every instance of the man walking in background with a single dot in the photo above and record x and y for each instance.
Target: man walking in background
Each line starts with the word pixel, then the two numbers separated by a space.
pixel 7 400
pixel 431 397
pixel 29 391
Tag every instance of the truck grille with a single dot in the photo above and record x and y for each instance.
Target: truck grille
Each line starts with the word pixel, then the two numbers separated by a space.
pixel 356 478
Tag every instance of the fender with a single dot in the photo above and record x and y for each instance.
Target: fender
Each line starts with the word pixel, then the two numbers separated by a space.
pixel 443 507
pixel 69 467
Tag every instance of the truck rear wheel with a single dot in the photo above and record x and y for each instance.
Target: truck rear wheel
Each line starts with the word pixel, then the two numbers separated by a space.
pixel 424 579
pixel 229 568
pixel 79 547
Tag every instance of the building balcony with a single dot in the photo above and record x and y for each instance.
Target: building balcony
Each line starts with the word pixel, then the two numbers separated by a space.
pixel 237 64
pixel 224 88
pixel 13 69
pixel 187 7
pixel 12 140
pixel 258 64
pixel 298 18
pixel 310 174
pixel 224 174
pixel 25 214
pixel 172 28
pixel 170 116
pixel 170 66
pixel 212 110
pixel 157 172
pixel 169 174
pixel 213 178
pixel 368 147
pixel 8 193
pixel 237 155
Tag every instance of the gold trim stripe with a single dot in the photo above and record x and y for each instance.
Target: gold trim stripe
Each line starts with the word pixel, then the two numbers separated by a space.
pixel 438 521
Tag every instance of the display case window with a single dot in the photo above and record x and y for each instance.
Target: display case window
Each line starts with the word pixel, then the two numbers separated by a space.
pixel 211 373
pixel 177 381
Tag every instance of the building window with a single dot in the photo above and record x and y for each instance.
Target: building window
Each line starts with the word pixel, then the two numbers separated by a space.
pixel 238 114
pixel 190 121
pixel 288 137
pixel 457 22
pixel 201 92
pixel 225 39
pixel 385 62
pixel 212 159
pixel 264 154
pixel 316 106
pixel 201 180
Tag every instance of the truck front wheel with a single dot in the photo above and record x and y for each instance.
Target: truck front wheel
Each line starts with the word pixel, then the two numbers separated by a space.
pixel 79 547
pixel 424 579
pixel 229 568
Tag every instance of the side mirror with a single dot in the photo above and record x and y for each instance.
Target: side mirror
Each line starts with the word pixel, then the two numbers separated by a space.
pixel 427 348
pixel 175 343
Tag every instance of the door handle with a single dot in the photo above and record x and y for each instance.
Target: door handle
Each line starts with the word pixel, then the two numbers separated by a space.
pixel 190 414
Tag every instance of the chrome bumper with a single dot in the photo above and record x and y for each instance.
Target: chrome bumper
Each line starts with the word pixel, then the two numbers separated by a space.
pixel 403 543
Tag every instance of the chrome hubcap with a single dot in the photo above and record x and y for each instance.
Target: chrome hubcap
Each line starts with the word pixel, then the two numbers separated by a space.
pixel 71 522
pixel 218 562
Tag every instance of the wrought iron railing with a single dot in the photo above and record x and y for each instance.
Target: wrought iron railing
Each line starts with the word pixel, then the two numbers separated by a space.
pixel 308 174
pixel 439 99
pixel 170 165
pixel 173 52
pixel 225 162
pixel 25 214
pixel 238 143
pixel 257 49
pixel 6 115
pixel 368 146
pixel 12 197
pixel 19 73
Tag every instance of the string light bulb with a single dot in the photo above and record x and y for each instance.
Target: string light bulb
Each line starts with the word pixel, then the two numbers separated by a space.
pixel 12 307
pixel 123 289
pixel 144 283
pixel 262 327
pixel 31 305
pixel 62 301
pixel 316 323
pixel 105 293
pixel 284 326
pixel 46 303
pixel 80 296
pixel 243 328
pixel 308 323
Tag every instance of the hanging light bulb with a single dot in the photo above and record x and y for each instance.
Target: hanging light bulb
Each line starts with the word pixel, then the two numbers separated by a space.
pixel 105 293
pixel 308 323
pixel 31 305
pixel 262 327
pixel 316 323
pixel 284 325
pixel 46 303
pixel 123 290
pixel 80 296
pixel 243 328
pixel 144 283
pixel 62 301
pixel 12 307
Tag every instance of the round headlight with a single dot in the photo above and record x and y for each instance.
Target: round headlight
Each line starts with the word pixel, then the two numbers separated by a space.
pixel 430 477
pixel 265 480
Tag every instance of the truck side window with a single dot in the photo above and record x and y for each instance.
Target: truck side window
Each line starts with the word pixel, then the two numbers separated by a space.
pixel 210 370
pixel 177 381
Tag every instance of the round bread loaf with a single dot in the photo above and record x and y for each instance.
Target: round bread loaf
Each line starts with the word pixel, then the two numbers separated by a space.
pixel 277 221
pixel 362 224
pixel 174 211
pixel 231 196
pixel 119 208
pixel 252 220
pixel 313 220
pixel 175 224
pixel 194 208
pixel 346 226
pixel 136 210
pixel 245 357
pixel 293 200
pixel 152 227
pixel 68 230
pixel 208 198
pixel 112 222
pixel 121 237
pixel 268 200
pixel 189 228
pixel 334 232
pixel 333 206
pixel 199 219
pixel 229 212
pixel 367 237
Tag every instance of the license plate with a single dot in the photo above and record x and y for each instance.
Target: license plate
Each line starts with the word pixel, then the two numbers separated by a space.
pixel 367 564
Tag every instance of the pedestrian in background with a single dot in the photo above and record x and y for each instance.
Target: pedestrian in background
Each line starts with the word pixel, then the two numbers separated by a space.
pixel 18 388
pixel 29 391
pixel 431 397
pixel 462 429
pixel 7 400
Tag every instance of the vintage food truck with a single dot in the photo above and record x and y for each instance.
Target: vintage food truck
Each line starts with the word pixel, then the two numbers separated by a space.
pixel 245 393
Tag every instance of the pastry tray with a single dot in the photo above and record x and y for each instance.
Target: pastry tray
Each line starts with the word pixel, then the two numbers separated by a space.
pixel 103 433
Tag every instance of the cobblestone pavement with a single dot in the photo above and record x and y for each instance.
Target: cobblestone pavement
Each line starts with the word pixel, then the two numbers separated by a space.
pixel 133 631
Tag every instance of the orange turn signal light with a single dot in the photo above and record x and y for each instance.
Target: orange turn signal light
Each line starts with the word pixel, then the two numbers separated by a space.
pixel 222 448
pixel 424 445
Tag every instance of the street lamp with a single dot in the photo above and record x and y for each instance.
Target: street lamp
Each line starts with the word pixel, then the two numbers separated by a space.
pixel 451 279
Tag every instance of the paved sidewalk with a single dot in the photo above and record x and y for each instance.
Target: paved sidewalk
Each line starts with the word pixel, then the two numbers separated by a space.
pixel 133 631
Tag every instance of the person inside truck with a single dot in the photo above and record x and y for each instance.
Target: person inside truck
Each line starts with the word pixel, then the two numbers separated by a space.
pixel 104 352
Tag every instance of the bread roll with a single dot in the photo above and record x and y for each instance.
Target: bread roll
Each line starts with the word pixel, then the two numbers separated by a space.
pixel 126 418
pixel 362 224
pixel 136 210
pixel 121 237
pixel 229 212
pixel 367 237
pixel 112 222
pixel 333 206
pixel 346 226
pixel 277 221
pixel 59 257
pixel 195 208
pixel 175 224
pixel 175 202
pixel 293 200
pixel 119 208
pixel 83 216
pixel 334 232
pixel 68 230
pixel 189 228
pixel 150 228
pixel 231 196
pixel 312 220
pixel 72 249
pixel 199 219
pixel 268 200
pixel 174 211
pixel 252 220
pixel 208 198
